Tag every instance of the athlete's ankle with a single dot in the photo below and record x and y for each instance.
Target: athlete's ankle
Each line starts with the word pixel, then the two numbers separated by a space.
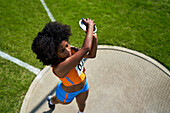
pixel 50 100
pixel 51 103
pixel 80 112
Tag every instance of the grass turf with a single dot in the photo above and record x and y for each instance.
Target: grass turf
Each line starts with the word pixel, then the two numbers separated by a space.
pixel 139 25
pixel 14 83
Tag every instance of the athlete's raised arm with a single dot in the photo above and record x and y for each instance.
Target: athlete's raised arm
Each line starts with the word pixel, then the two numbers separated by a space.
pixel 92 53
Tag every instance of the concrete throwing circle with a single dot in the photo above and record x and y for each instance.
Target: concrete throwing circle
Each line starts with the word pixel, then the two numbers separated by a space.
pixel 120 80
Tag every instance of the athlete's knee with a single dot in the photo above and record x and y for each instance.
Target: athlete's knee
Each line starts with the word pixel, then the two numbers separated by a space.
pixel 54 100
pixel 81 102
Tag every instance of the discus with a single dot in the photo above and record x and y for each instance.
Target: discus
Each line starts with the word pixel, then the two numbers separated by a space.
pixel 84 28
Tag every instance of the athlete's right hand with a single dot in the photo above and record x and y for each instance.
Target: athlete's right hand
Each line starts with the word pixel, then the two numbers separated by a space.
pixel 88 22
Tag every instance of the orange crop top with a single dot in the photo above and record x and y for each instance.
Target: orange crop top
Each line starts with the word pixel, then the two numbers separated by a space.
pixel 76 75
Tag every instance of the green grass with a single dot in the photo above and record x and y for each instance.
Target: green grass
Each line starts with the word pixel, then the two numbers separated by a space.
pixel 14 83
pixel 141 25
pixel 20 21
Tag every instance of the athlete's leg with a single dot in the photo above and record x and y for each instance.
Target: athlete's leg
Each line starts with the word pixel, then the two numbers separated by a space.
pixel 81 100
pixel 54 100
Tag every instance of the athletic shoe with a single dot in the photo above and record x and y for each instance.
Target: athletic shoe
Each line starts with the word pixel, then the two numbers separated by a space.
pixel 51 106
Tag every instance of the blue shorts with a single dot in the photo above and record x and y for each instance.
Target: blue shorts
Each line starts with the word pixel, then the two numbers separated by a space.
pixel 68 97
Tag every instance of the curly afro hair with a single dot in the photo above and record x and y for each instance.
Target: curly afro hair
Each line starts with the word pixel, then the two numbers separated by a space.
pixel 46 43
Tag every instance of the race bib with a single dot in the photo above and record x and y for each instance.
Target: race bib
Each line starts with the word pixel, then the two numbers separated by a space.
pixel 79 68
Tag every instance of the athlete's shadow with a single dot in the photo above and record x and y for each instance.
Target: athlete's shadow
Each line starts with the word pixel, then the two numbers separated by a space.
pixel 49 111
pixel 42 102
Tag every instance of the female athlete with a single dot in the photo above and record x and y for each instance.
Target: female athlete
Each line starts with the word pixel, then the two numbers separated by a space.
pixel 52 47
